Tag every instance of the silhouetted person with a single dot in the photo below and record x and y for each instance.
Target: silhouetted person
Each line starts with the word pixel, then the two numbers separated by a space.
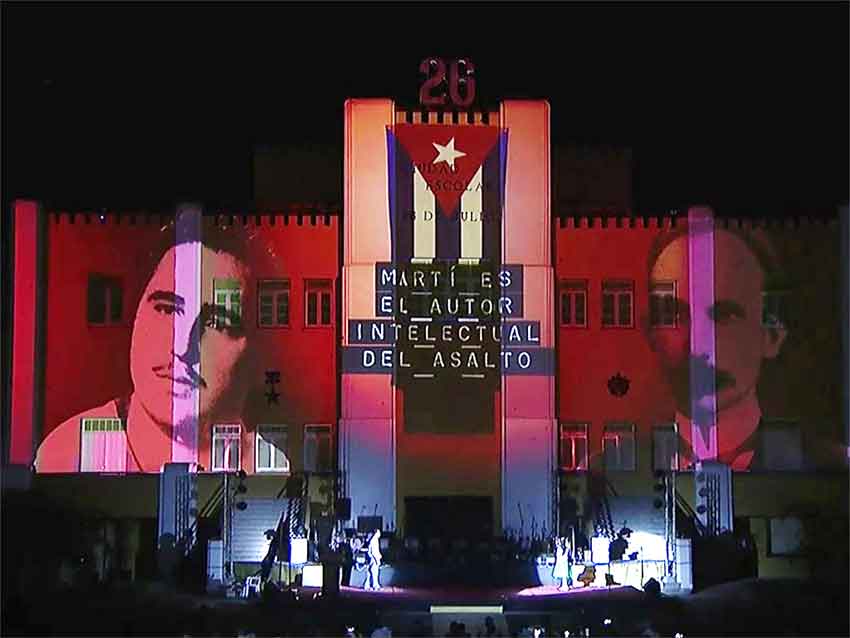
pixel 374 552
pixel 617 548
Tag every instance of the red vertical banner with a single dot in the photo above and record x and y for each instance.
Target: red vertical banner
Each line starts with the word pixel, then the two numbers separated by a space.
pixel 25 337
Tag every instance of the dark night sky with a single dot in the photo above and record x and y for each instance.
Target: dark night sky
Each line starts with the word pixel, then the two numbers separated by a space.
pixel 135 106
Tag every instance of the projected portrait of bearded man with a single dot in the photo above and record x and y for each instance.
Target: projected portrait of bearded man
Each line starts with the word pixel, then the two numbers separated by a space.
pixel 716 381
pixel 191 364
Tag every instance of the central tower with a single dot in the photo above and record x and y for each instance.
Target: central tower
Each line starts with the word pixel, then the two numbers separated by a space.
pixel 448 341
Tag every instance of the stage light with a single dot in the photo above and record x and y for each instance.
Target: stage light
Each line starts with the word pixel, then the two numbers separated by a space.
pixel 607 621
pixel 242 506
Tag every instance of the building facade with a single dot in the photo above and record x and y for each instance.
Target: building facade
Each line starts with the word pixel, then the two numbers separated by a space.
pixel 454 356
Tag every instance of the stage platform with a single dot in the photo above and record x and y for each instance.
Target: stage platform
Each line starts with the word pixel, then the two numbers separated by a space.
pixel 510 598
pixel 429 611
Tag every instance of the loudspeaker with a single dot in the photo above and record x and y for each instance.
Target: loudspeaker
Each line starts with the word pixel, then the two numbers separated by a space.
pixel 368 524
pixel 343 509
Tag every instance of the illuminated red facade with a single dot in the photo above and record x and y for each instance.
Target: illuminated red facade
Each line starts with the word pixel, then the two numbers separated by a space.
pixel 613 298
pixel 86 358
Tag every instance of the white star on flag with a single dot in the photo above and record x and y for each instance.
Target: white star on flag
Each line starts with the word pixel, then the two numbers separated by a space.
pixel 447 153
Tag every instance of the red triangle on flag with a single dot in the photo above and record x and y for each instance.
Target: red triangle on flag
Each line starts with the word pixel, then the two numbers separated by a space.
pixel 447 156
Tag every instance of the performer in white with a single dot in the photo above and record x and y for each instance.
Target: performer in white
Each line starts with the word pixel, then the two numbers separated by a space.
pixel 561 571
pixel 374 551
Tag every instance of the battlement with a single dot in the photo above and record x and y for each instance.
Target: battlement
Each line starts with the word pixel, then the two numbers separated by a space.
pixel 294 216
pixel 447 117
pixel 670 222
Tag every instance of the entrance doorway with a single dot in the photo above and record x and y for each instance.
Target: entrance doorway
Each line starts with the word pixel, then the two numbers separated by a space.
pixel 448 517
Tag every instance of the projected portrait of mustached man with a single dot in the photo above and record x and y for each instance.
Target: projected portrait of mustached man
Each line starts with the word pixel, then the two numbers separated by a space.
pixel 190 363
pixel 744 335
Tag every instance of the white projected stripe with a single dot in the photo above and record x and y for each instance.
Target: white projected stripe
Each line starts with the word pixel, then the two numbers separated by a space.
pixel 425 221
pixel 470 219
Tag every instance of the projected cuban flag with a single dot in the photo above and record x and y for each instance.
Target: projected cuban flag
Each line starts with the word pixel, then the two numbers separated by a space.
pixel 446 192
pixel 446 195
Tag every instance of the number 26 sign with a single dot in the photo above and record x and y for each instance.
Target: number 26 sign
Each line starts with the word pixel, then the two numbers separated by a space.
pixel 460 84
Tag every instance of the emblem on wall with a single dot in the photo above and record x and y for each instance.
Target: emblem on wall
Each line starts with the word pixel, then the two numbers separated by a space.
pixel 618 385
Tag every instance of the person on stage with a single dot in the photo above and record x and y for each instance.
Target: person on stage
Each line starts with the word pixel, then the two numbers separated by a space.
pixel 374 552
pixel 561 572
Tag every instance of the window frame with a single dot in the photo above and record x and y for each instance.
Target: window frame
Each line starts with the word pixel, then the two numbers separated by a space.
pixel 228 286
pixel 770 550
pixel 628 286
pixel 572 288
pixel 226 436
pixel 318 287
pixel 113 424
pixel 653 285
pixel 566 428
pixel 286 453
pixel 672 427
pixel 313 427
pixel 609 431
pixel 287 291
pixel 110 282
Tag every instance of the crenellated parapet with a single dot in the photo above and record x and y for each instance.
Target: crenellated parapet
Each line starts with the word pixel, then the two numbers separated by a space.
pixel 447 117
pixel 671 222
pixel 294 216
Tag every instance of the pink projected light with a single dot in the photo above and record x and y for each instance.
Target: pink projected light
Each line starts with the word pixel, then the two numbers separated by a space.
pixel 703 359
pixel 24 334
pixel 187 284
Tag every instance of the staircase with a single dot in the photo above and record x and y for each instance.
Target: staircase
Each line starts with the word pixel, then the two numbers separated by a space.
pixel 207 526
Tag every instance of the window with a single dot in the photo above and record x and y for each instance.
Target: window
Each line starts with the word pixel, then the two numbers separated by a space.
pixel 665 447
pixel 618 447
pixel 105 303
pixel 228 303
pixel 273 299
pixel 662 304
pixel 226 447
pixel 617 304
pixel 573 304
pixel 103 445
pixel 318 302
pixel 786 536
pixel 574 446
pixel 781 445
pixel 317 448
pixel 774 308
pixel 272 442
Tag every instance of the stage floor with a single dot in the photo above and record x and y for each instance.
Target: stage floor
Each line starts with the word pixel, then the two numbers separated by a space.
pixel 516 598
pixel 414 611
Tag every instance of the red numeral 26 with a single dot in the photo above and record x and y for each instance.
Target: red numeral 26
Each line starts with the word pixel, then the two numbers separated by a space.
pixel 461 83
